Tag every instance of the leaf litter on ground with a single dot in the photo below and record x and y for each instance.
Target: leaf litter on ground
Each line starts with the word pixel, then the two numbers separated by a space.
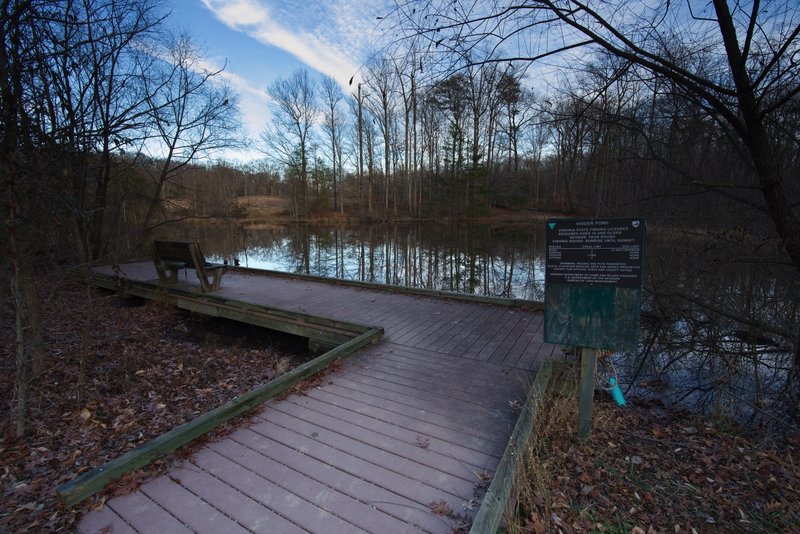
pixel 650 469
pixel 149 367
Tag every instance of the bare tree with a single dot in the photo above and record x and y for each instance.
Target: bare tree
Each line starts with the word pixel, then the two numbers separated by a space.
pixel 114 31
pixel 192 112
pixel 358 110
pixel 406 72
pixel 381 80
pixel 450 98
pixel 332 125
pixel 752 78
pixel 71 95
pixel 288 138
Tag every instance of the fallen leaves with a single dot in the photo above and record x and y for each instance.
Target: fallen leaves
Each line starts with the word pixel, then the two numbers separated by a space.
pixel 534 524
pixel 149 369
pixel 440 508
pixel 655 471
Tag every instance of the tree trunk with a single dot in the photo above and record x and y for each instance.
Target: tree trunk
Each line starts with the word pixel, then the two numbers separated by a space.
pixel 757 140
pixel 20 406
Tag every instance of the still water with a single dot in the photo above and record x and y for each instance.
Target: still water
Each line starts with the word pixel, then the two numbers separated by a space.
pixel 478 259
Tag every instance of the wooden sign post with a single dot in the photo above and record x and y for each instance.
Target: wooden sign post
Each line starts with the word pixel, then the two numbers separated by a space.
pixel 593 292
pixel 586 392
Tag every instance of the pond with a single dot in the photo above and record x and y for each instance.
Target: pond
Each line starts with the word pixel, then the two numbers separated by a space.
pixel 477 259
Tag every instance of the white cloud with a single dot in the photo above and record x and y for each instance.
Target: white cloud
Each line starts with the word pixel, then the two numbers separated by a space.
pixel 252 104
pixel 328 37
pixel 252 100
pixel 241 12
pixel 332 37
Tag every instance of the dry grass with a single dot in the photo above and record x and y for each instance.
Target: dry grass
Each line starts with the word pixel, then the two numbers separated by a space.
pixel 535 478
pixel 264 206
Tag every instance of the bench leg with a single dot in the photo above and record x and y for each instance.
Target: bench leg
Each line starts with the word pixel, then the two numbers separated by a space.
pixel 205 286
pixel 166 278
pixel 215 280
pixel 213 285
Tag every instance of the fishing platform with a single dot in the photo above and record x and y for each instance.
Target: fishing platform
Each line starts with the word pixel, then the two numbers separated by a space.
pixel 404 438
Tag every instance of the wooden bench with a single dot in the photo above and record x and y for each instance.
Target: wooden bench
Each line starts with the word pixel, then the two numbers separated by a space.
pixel 169 257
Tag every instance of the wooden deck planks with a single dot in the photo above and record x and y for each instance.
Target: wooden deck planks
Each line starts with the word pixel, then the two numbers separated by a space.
pixel 468 431
pixel 503 326
pixel 328 507
pixel 195 513
pixel 519 348
pixel 412 424
pixel 414 476
pixel 243 470
pixel 144 515
pixel 459 381
pixel 363 491
pixel 455 328
pixel 417 452
pixel 248 512
pixel 468 457
pixel 463 340
pixel 411 421
pixel 351 465
pixel 106 520
pixel 460 415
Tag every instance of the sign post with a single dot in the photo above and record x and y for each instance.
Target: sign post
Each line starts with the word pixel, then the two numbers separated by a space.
pixel 593 292
pixel 586 392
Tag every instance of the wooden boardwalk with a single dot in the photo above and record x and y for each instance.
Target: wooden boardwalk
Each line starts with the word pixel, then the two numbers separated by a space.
pixel 414 422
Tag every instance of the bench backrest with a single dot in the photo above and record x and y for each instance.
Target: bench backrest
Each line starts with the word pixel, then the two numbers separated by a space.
pixel 178 252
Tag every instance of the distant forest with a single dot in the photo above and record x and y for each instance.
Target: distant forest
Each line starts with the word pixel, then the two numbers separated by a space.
pixel 110 120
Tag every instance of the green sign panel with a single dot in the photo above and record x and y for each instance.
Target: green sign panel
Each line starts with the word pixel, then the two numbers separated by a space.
pixel 593 282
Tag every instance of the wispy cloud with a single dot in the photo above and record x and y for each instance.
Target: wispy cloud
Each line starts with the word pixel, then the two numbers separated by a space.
pixel 330 37
pixel 252 100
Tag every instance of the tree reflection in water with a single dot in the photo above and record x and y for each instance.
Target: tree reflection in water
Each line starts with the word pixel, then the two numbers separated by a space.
pixel 477 259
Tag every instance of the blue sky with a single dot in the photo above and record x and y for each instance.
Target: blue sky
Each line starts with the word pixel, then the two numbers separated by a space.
pixel 261 40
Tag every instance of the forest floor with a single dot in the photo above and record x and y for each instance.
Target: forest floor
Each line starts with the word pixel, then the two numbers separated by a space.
pixel 149 367
pixel 648 469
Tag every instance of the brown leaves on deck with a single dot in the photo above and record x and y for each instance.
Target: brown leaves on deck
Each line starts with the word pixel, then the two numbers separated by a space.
pixel 440 508
pixel 460 523
pixel 146 373
pixel 647 469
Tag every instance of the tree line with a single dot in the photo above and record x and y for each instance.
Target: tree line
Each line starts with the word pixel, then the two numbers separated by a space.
pixel 402 145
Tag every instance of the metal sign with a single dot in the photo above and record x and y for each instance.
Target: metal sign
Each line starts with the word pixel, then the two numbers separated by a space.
pixel 594 252
pixel 593 282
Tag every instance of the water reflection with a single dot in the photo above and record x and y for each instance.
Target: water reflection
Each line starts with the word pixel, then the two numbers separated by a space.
pixel 478 259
